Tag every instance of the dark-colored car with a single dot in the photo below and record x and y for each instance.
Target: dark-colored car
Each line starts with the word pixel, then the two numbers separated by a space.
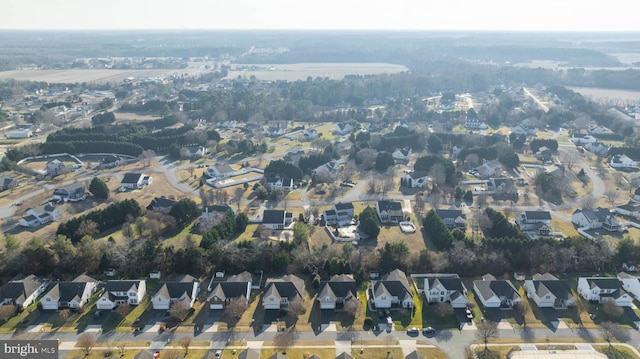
pixel 428 331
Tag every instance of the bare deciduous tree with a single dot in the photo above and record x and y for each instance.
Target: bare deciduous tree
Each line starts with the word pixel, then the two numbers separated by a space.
pixel 185 342
pixel 123 309
pixel 7 311
pixel 611 331
pixel 443 309
pixel 296 307
pixel 285 339
pixel 588 202
pixel 180 310
pixel 86 342
pixel 612 196
pixel 352 307
pixel 612 309
pixel 236 307
pixel 487 330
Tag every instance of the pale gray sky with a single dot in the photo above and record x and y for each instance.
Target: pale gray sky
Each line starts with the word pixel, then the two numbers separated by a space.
pixel 539 15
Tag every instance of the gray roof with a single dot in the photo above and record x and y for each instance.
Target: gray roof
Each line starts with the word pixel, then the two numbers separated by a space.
pixel 272 216
pixel 289 286
pixel 395 284
pixel 450 283
pixel 343 206
pixel 249 354
pixel 538 215
pixel 223 168
pixel 500 288
pixel 449 213
pixel 67 291
pixel 417 174
pixel 122 285
pixel 131 177
pixel 227 290
pixel 339 286
pixel 548 284
pixel 604 282
pixel 389 206
pixel 20 288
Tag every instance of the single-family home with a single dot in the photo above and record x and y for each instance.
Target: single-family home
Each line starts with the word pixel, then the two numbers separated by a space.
pixel 547 291
pixel 597 148
pixel 502 185
pixel 523 130
pixel 72 295
pixel 389 211
pixel 236 287
pixel 134 180
pixel 335 292
pixel 279 292
pixel 630 283
pixel 117 292
pixel 293 157
pixel 274 131
pixel 602 289
pixel 19 134
pixel 538 222
pixel 110 161
pixel 582 139
pixel 599 130
pixel 475 124
pixel 40 215
pixel 445 287
pixel 402 155
pixel 631 209
pixel 219 170
pixel 342 129
pixel 276 218
pixel 161 204
pixel 622 162
pixel 184 290
pixel 344 211
pixel 7 183
pixel 329 169
pixel 392 290
pixel 308 135
pixel 595 218
pixel 73 193
pixel 489 168
pixel 496 293
pixel 22 291
pixel 453 218
pixel 281 183
pixel 250 354
pixel 56 167
pixel 415 179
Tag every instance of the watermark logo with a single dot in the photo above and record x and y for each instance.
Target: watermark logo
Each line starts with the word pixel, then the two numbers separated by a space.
pixel 28 349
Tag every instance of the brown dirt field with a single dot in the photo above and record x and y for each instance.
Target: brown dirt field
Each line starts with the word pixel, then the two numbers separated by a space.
pixel 131 116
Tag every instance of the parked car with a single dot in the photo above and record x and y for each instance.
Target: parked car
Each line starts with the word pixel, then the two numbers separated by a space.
pixel 413 331
pixel 428 330
pixel 469 314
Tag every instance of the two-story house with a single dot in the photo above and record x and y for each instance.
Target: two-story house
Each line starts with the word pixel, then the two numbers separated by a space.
pixel 389 211
pixel 622 162
pixel 402 155
pixel 237 287
pixel 392 290
pixel 630 283
pixel 340 213
pixel 439 288
pixel 489 169
pixel 547 291
pixel 337 290
pixel 415 179
pixel 280 292
pixel 505 186
pixel 342 129
pixel 496 293
pixel 40 215
pixel 276 218
pixel 73 193
pixel 184 290
pixel 602 289
pixel 22 291
pixel 118 292
pixel 582 139
pixel 452 218
pixel 595 218
pixel 161 205
pixel 280 183
pixel 537 222
pixel 72 295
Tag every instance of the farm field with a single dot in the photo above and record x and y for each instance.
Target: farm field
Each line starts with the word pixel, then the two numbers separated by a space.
pixel 93 75
pixel 600 94
pixel 293 72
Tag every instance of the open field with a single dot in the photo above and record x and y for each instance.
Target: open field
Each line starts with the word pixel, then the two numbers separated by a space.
pixel 293 72
pixel 600 94
pixel 101 76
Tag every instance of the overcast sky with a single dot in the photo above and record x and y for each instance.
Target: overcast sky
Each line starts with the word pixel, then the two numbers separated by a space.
pixel 521 15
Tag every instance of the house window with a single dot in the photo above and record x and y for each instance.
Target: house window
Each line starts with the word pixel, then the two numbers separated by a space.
pixel 48 299
pixel 383 297
pixel 132 294
pixel 441 293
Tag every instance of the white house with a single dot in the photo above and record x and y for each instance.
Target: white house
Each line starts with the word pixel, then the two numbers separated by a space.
pixel 237 287
pixel 475 124
pixel 391 290
pixel 22 291
pixel 623 161
pixel 496 293
pixel 521 130
pixel 439 288
pixel 342 129
pixel 416 179
pixel 401 155
pixel 489 168
pixel 134 181
pixel 282 183
pixel 538 222
pixel 582 139
pixel 40 215
pixel 219 170
pixel 502 185
pixel 336 291
pixel 597 148
pixel 73 193
pixel 117 292
pixel 279 292
pixel 596 218
pixel 631 209
pixel 602 289
pixel 453 218
pixel 599 130
pixel 547 291
pixel 630 283
pixel 276 218
pixel 389 211
pixel 72 295
pixel 185 290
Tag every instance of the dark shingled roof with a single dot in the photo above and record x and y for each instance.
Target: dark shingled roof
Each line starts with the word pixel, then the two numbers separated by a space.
pixel 20 288
pixel 272 216
pixel 131 177
pixel 339 286
pixel 538 215
pixel 289 286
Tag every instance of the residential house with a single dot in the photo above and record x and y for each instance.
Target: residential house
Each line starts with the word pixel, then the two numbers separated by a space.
pixel 134 181
pixel 416 179
pixel 453 218
pixel 293 157
pixel 599 130
pixel 392 290
pixel 475 124
pixel 249 354
pixel 40 215
pixel 602 289
pixel 343 147
pixel 522 130
pixel 630 283
pixel 336 291
pixel 214 214
pixel 219 170
pixel 184 290
pixel 623 161
pixel 502 185
pixel 344 211
pixel 545 155
pixel 496 293
pixel 582 139
pixel 597 148
pixel 22 291
pixel 308 135
pixel 547 291
pixel 117 292
pixel 276 218
pixel 73 193
pixel 555 170
pixel 282 183
pixel 56 167
pixel 329 169
pixel 342 129
pixel 274 131
pixel 489 169
pixel 110 161
pixel 402 155
pixel 538 222
pixel 279 292
pixel 439 288
pixel 636 195
pixel 237 287
pixel 161 204
pixel 631 209
pixel 19 134
pixel 197 151
pixel 72 295
pixel 389 211
pixel 343 355
pixel 595 218
pixel 7 183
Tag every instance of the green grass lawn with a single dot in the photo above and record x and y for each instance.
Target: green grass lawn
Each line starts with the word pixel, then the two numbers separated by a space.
pixel 431 319
pixel 407 318
pixel 377 353
pixel 21 320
